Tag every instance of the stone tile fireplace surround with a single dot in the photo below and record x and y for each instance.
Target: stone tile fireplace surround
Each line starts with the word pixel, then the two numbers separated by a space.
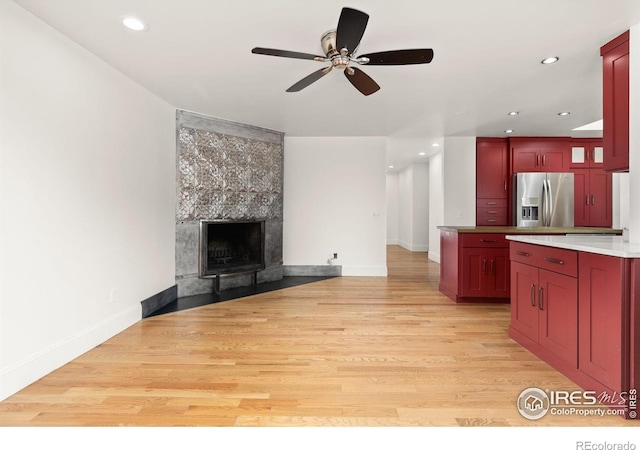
pixel 232 172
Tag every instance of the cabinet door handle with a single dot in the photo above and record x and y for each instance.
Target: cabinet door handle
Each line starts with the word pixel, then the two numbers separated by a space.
pixel 492 268
pixel 533 295
pixel 518 252
pixel 593 154
pixel 555 261
pixel 487 240
pixel 505 185
pixel 587 199
pixel 593 199
pixel 537 160
pixel 484 267
pixel 544 160
pixel 541 299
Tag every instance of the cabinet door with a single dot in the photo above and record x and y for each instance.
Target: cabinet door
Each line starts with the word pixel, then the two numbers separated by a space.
pixel 497 276
pixel 600 318
pixel 554 159
pixel 615 104
pixel 491 169
pixel 474 269
pixel 525 159
pixel 524 306
pixel 600 208
pixel 581 198
pixel 558 322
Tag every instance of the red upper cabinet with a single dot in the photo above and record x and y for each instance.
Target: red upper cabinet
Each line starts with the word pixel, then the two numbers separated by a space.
pixel 492 168
pixel 587 153
pixel 539 154
pixel 615 103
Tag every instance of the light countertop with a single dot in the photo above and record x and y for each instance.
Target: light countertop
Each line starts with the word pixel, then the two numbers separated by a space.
pixel 603 245
pixel 528 230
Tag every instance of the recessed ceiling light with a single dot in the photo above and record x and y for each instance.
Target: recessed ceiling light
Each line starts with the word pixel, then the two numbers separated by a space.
pixel 422 153
pixel 135 24
pixel 508 131
pixel 435 144
pixel 513 113
pixel 564 113
pixel 390 167
pixel 550 60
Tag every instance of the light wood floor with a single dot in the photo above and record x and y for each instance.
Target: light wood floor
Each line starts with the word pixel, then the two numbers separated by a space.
pixel 350 351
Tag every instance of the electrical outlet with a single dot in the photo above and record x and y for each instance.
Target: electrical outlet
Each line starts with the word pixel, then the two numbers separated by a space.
pixel 335 256
pixel 113 295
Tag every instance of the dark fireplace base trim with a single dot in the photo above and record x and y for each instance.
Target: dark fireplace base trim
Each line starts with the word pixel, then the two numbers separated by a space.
pixel 159 300
pixel 192 284
pixel 313 271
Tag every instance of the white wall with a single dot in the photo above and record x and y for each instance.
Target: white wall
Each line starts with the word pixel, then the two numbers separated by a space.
pixel 413 208
pixel 634 136
pixel 420 237
pixel 334 201
pixel 87 196
pixel 452 188
pixel 459 179
pixel 392 208
pixel 436 205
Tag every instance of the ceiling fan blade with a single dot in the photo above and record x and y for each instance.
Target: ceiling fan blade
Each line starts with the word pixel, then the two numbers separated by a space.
pixel 351 26
pixel 361 81
pixel 285 53
pixel 306 81
pixel 399 57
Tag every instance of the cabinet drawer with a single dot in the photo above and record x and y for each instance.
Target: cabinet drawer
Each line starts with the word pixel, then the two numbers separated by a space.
pixel 486 240
pixel 491 220
pixel 549 258
pixel 491 203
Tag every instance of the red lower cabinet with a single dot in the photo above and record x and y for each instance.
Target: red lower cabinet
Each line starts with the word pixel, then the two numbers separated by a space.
pixel 579 312
pixel 544 307
pixel 601 318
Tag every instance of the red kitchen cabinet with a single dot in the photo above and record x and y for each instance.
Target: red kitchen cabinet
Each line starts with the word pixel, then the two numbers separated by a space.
pixel 492 181
pixel 592 198
pixel 544 304
pixel 474 267
pixel 615 103
pixel 486 272
pixel 540 154
pixel 601 318
pixel 587 153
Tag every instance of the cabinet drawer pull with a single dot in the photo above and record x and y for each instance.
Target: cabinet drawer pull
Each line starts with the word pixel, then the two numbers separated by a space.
pixel 533 295
pixel 492 203
pixel 487 240
pixel 541 299
pixel 555 261
pixel 523 253
pixel 491 220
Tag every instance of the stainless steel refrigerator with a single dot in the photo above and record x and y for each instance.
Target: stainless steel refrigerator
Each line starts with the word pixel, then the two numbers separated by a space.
pixel 543 199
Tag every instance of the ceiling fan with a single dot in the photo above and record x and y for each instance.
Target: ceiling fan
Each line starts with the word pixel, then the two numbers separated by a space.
pixel 339 47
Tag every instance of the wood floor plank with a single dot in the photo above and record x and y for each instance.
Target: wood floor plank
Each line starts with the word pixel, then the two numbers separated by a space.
pixel 347 351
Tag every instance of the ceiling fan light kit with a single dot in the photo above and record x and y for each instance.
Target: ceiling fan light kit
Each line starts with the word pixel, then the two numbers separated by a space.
pixel 340 46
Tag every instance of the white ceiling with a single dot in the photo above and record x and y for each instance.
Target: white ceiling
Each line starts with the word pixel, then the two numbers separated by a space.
pixel 197 56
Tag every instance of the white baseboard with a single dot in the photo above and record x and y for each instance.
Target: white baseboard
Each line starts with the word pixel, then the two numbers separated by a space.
pixel 414 247
pixel 21 374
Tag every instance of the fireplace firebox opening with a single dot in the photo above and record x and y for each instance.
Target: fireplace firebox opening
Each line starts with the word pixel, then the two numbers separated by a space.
pixel 231 247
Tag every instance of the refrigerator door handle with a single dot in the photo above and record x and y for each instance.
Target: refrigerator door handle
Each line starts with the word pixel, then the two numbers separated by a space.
pixel 549 203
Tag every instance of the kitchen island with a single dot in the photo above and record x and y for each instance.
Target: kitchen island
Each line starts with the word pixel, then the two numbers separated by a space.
pixel 575 303
pixel 474 260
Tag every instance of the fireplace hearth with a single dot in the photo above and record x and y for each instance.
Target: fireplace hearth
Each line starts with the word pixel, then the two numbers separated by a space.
pixel 231 247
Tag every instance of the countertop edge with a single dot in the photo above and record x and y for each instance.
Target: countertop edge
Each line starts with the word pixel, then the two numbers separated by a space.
pixel 602 245
pixel 521 230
